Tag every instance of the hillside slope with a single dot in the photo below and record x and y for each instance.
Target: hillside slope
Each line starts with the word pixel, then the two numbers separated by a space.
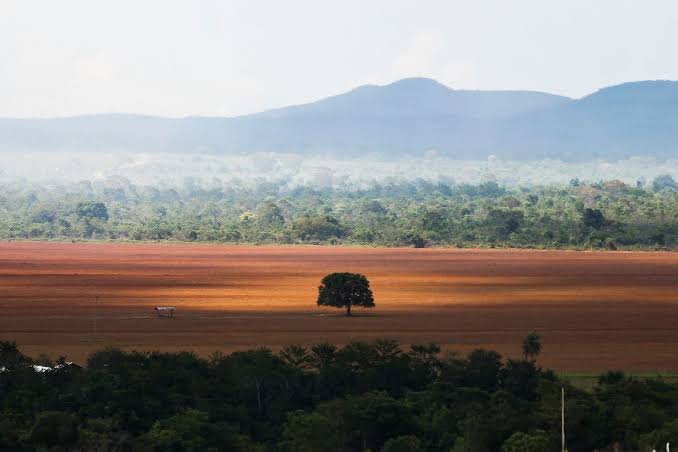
pixel 404 118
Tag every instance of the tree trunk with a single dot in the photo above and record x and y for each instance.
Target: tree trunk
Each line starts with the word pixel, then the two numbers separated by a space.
pixel 348 310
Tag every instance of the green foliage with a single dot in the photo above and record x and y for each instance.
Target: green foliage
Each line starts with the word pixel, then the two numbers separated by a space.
pixel 189 431
pixel 606 215
pixel 54 428
pixel 593 218
pixel 503 222
pixel 663 181
pixel 523 442
pixel 345 290
pixel 657 439
pixel 309 432
pixel 317 228
pixel 611 377
pixel 104 434
pixel 192 431
pixel 363 396
pixel 268 214
pixel 521 378
pixel 531 345
pixel 407 443
pixel 92 210
pixel 11 357
pixel 483 367
pixel 366 421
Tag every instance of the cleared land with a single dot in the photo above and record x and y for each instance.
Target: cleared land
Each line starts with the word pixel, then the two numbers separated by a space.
pixel 595 310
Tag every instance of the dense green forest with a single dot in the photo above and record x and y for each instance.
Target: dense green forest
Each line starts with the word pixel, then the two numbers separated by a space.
pixel 359 397
pixel 605 215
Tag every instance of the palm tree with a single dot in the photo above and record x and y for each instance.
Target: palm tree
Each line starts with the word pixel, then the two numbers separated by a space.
pixel 531 345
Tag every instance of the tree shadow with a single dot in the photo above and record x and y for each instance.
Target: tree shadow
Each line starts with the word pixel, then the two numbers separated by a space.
pixel 353 315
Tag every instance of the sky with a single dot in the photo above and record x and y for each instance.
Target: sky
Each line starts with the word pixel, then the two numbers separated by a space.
pixel 226 58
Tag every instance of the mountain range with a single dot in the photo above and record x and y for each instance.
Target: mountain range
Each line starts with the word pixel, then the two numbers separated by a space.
pixel 405 118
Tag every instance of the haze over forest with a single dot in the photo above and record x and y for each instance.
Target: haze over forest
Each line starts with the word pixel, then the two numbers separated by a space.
pixel 220 95
pixel 409 129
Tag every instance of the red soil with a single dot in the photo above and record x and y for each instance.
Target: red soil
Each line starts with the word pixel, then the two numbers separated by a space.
pixel 594 310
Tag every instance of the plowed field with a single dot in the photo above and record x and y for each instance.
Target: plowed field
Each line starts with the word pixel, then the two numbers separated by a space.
pixel 595 310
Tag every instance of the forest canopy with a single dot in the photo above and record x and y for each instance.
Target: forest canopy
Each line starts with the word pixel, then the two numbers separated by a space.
pixel 604 215
pixel 377 396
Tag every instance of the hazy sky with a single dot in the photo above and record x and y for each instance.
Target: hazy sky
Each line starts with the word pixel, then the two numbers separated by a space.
pixel 180 58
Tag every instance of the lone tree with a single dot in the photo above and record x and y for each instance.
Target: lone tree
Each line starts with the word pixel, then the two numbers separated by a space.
pixel 531 345
pixel 90 209
pixel 593 218
pixel 344 290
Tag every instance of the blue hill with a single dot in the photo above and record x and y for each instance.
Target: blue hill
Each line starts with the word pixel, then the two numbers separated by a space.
pixel 404 118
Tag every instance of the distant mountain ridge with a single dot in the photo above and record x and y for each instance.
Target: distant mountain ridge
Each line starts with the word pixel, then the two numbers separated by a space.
pixel 404 118
pixel 423 97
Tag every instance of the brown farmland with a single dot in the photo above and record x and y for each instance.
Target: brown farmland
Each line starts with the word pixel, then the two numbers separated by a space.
pixel 595 310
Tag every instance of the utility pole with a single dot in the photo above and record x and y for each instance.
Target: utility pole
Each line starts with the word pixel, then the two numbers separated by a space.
pixel 562 419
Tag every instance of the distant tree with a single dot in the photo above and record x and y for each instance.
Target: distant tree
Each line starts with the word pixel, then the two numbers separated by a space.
pixel 322 355
pixel 505 221
pixel 523 442
pixel 9 434
pixel 91 210
pixel 308 432
pixel 295 356
pixel 531 345
pixel 192 431
pixel 434 220
pixel 424 361
pixel 44 216
pixel 367 421
pixel 483 368
pixel 261 377
pixel 407 443
pixel 11 357
pixel 593 218
pixel 99 434
pixel 247 217
pixel 374 206
pixel 511 202
pixel 415 239
pixel 491 189
pixel 345 290
pixel 319 227
pixel 269 214
pixel 521 378
pixel 611 377
pixel 55 429
pixel 663 181
pixel 659 438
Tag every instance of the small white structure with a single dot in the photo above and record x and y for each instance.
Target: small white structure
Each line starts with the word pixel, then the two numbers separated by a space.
pixel 165 311
pixel 42 369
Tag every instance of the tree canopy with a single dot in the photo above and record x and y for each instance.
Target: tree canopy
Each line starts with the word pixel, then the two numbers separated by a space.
pixel 531 345
pixel 582 215
pixel 345 290
pixel 91 209
pixel 379 396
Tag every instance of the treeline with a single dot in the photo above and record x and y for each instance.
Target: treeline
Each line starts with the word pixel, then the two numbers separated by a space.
pixel 605 215
pixel 359 397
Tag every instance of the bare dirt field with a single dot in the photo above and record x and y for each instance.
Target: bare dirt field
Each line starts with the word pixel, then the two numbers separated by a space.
pixel 595 310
